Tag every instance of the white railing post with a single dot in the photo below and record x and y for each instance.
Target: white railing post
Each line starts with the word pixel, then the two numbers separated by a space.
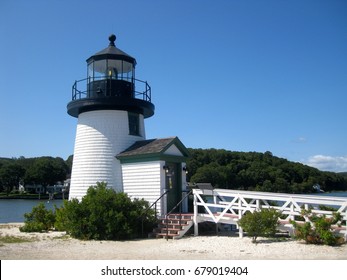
pixel 215 202
pixel 195 217
pixel 292 211
pixel 240 216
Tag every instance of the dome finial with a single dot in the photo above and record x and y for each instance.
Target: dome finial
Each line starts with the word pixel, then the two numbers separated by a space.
pixel 112 39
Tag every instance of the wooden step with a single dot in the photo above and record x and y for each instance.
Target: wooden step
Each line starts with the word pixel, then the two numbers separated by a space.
pixel 177 216
pixel 171 226
pixel 174 225
pixel 173 222
pixel 167 235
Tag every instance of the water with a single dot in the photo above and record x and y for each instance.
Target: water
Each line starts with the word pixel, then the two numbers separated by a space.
pixel 341 194
pixel 13 210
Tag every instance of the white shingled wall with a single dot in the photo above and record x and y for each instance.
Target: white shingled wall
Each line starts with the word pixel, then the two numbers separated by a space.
pixel 144 180
pixel 100 136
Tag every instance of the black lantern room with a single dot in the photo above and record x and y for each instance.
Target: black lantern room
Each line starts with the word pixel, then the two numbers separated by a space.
pixel 111 85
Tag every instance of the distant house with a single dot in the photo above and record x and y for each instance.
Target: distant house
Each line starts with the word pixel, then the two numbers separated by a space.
pixel 55 189
pixel 21 188
pixel 67 185
pixel 39 189
pixel 58 188
pixel 317 188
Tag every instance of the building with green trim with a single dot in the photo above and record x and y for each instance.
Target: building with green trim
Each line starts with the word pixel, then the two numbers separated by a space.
pixel 152 167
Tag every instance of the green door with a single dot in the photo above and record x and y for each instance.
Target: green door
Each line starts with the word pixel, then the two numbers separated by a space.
pixel 173 183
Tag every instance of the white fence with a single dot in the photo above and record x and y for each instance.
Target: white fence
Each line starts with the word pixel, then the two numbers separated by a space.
pixel 228 206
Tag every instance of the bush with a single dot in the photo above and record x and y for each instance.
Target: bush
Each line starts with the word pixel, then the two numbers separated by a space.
pixel 104 214
pixel 260 223
pixel 38 220
pixel 61 217
pixel 317 230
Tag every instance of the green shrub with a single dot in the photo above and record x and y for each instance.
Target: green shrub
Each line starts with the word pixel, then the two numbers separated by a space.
pixel 326 208
pixel 38 220
pixel 260 223
pixel 317 230
pixel 104 214
pixel 61 217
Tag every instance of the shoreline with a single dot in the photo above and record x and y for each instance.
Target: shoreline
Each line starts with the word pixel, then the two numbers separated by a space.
pixel 60 196
pixel 59 246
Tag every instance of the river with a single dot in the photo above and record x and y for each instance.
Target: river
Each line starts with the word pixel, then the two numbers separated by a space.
pixel 342 194
pixel 12 210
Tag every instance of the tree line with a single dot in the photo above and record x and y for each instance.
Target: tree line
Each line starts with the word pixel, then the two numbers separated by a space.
pixel 43 171
pixel 258 172
pixel 223 169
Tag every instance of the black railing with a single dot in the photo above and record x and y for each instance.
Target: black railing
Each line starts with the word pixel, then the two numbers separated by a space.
pixel 150 207
pixel 106 86
pixel 179 204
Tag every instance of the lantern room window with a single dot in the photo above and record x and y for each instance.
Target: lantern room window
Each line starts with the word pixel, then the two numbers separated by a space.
pixel 111 69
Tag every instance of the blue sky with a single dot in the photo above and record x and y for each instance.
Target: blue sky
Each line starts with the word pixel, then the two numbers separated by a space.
pixel 240 75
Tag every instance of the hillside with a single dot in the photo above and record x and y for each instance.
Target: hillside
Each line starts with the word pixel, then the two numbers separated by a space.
pixel 224 169
pixel 258 171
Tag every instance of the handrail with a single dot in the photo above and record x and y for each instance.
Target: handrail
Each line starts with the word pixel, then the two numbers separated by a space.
pixel 290 205
pixel 149 207
pixel 167 214
pixel 78 93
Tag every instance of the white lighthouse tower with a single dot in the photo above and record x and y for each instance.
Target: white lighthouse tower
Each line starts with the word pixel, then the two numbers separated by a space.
pixel 111 106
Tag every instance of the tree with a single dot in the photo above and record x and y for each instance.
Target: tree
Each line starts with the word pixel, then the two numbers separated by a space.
pixel 260 223
pixel 211 173
pixel 261 171
pixel 46 171
pixel 10 176
pixel 69 163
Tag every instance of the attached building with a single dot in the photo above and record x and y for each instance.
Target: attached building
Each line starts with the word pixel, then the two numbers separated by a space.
pixel 152 167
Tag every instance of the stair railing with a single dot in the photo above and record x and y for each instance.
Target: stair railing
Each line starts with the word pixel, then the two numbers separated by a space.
pixel 149 207
pixel 180 212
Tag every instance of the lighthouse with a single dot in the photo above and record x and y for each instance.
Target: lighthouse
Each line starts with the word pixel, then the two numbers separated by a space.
pixel 111 105
pixel 111 146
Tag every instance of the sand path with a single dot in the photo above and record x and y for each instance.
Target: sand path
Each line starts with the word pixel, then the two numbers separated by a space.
pixel 59 246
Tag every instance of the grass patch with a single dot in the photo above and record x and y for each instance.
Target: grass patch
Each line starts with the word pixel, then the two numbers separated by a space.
pixel 14 239
pixel 63 237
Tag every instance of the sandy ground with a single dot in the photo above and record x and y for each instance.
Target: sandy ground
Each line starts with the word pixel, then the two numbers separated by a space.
pixel 59 246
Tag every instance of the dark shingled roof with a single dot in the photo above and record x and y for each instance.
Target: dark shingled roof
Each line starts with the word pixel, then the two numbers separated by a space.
pixel 152 146
pixel 112 52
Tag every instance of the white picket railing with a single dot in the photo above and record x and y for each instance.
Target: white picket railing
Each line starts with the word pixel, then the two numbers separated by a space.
pixel 228 206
